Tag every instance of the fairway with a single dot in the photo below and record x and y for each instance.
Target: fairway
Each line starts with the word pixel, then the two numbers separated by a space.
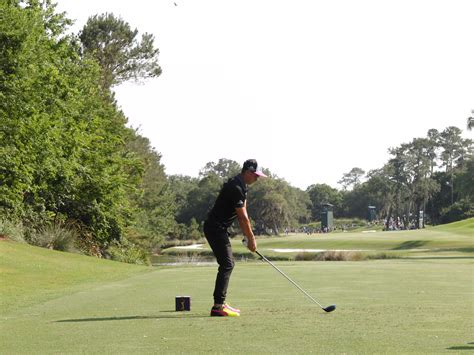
pixel 383 306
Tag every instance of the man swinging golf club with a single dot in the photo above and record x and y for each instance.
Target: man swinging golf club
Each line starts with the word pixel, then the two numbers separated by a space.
pixel 231 204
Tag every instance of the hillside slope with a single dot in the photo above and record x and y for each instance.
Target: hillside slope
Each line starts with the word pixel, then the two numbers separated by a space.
pixel 30 275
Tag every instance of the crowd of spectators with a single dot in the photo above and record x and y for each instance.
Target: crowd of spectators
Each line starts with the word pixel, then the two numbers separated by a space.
pixel 397 223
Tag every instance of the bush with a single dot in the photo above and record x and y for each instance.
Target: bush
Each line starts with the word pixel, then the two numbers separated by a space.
pixel 381 256
pixel 56 236
pixel 458 211
pixel 193 258
pixel 143 239
pixel 330 255
pixel 127 252
pixel 86 242
pixel 11 230
pixel 194 230
pixel 304 256
pixel 206 254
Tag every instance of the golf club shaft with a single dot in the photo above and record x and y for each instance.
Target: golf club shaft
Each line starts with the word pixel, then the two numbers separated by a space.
pixel 294 283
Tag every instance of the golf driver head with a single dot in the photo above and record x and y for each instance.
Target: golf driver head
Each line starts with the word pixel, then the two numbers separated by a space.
pixel 330 308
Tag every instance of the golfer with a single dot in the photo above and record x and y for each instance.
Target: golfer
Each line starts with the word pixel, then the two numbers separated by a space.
pixel 231 203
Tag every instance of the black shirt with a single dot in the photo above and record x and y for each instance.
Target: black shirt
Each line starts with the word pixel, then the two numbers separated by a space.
pixel 232 195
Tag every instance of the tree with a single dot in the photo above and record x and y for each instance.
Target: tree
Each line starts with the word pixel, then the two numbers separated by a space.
pixel 464 180
pixel 112 42
pixel 323 193
pixel 470 121
pixel 300 206
pixel 200 200
pixel 433 146
pixel 153 200
pixel 410 171
pixel 379 191
pixel 423 187
pixel 32 76
pixel 352 178
pixel 454 148
pixel 268 208
pixel 63 155
pixel 401 178
pixel 224 169
pixel 181 186
pixel 274 204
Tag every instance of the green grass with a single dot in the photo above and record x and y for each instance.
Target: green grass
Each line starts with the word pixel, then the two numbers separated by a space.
pixel 452 240
pixel 31 275
pixel 458 235
pixel 413 305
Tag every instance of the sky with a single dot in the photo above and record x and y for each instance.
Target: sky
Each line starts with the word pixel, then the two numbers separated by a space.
pixel 311 89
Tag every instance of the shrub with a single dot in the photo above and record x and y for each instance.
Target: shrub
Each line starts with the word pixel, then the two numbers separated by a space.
pixel 56 236
pixel 304 256
pixel 193 258
pixel 458 211
pixel 86 243
pixel 127 252
pixel 382 255
pixel 11 230
pixel 330 255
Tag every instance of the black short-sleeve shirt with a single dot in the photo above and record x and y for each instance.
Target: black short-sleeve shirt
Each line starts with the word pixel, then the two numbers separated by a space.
pixel 232 195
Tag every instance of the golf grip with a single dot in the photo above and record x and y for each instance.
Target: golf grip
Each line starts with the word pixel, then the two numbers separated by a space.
pixel 294 283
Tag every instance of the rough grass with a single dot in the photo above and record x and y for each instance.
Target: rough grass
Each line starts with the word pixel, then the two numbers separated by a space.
pixel 30 274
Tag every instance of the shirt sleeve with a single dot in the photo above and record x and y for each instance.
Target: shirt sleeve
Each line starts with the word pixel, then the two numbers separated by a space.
pixel 237 197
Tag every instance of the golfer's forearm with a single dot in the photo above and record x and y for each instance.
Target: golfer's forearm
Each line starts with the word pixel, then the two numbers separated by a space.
pixel 246 228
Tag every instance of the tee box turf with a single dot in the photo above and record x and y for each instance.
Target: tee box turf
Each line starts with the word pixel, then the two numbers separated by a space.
pixel 183 303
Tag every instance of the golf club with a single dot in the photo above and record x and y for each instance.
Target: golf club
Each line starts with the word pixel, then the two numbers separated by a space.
pixel 326 309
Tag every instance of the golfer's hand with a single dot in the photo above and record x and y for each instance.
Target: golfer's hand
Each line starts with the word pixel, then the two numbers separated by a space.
pixel 252 244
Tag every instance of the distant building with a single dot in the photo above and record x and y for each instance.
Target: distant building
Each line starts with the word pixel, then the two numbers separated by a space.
pixel 327 219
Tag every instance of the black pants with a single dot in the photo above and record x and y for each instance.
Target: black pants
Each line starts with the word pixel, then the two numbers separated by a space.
pixel 218 239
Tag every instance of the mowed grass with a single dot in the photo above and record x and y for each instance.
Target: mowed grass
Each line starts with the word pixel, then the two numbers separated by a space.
pixel 96 306
pixel 453 240
pixel 29 275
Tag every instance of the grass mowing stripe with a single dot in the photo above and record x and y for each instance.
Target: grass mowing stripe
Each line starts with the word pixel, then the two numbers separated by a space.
pixel 63 303
pixel 394 306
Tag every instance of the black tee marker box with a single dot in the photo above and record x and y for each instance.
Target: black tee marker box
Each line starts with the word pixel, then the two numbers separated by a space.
pixel 183 303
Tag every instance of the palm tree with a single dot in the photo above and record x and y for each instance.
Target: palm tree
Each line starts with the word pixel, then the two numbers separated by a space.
pixel 470 121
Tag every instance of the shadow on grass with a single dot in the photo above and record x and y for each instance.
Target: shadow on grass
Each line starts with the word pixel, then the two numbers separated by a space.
pixel 178 315
pixel 411 244
pixel 461 250
pixel 462 347
pixel 469 253
pixel 439 257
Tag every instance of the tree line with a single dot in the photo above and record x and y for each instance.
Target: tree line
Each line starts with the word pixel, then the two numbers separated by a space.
pixel 434 174
pixel 68 159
